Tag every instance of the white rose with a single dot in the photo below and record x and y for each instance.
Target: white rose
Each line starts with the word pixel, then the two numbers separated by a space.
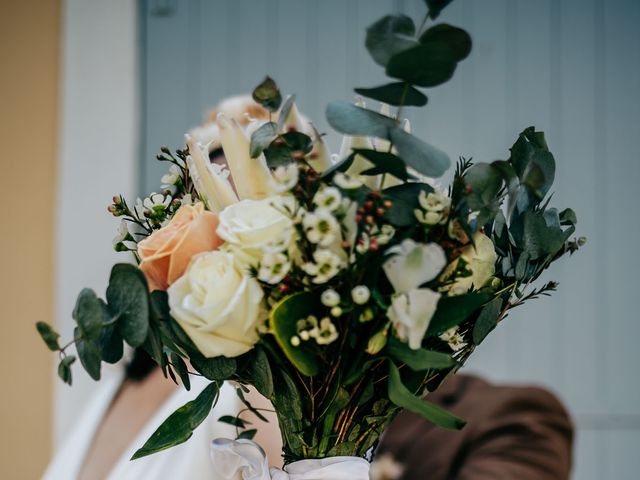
pixel 218 305
pixel 481 261
pixel 411 314
pixel 252 228
pixel 413 264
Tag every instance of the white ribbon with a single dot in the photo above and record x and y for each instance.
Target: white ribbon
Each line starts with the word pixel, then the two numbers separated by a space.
pixel 245 460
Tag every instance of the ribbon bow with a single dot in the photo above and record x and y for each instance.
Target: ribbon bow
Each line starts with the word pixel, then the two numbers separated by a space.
pixel 245 460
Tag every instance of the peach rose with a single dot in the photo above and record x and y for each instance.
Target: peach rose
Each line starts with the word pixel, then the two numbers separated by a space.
pixel 166 253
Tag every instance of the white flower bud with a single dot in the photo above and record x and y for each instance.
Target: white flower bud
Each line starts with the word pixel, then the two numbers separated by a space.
pixel 336 311
pixel 330 298
pixel 360 294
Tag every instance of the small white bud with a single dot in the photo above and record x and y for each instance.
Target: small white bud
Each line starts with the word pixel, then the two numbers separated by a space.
pixel 336 311
pixel 330 298
pixel 295 341
pixel 360 294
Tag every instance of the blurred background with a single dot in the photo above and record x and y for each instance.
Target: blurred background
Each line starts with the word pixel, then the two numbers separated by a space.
pixel 90 90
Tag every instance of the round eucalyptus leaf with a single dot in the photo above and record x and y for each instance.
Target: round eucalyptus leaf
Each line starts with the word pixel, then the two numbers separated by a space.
pixel 389 35
pixel 128 299
pixel 458 39
pixel 396 94
pixel 426 65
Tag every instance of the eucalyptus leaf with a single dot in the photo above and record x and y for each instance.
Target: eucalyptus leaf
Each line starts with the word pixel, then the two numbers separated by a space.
pixel 420 359
pixel 88 314
pixel 268 95
pixel 389 35
pixel 402 397
pixel 49 336
pixel 89 354
pixel 285 110
pixel 350 119
pixel 111 346
pixel 285 148
pixel 286 396
pixel 179 427
pixel 419 155
pixel 487 320
pixel 540 240
pixel 159 301
pixel 396 94
pixel 64 369
pixel 436 6
pixel 259 371
pixel 262 138
pixel 425 65
pixel 128 299
pixel 234 421
pixel 384 162
pixel 458 40
pixel 216 368
pixel 296 306
pixel 248 434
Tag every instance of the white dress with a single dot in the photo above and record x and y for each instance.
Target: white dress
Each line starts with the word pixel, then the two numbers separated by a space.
pixel 189 461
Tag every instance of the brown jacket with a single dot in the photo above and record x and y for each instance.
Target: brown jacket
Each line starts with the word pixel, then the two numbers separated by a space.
pixel 520 433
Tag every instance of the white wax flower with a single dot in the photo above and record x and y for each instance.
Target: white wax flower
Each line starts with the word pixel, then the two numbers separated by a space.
pixel 170 178
pixel 435 207
pixel 329 198
pixel 327 332
pixel 324 267
pixel 218 305
pixel 274 267
pixel 253 227
pixel 321 227
pixel 413 264
pixel 285 177
pixel 411 312
pixel 454 339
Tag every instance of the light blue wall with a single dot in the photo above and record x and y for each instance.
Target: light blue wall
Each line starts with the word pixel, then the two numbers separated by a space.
pixel 569 67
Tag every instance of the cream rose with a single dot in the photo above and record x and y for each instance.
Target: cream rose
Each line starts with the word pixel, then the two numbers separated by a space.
pixel 166 253
pixel 481 260
pixel 253 227
pixel 218 305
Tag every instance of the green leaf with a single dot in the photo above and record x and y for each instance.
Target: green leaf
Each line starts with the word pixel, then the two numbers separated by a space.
pixel 458 40
pixel 388 36
pixel 262 138
pixel 282 321
pixel 484 182
pixel 417 154
pixel 420 359
pixel 405 201
pixel 234 421
pixel 534 165
pixel 89 355
pixel 384 162
pixel 259 371
pixel 286 397
pixel 454 310
pixel 268 95
pixel 403 398
pixel 128 299
pixel 568 217
pixel 342 166
pixel 179 366
pixel 64 369
pixel 283 150
pixel 216 368
pixel 350 119
pixel 487 320
pixel 88 314
pixel 159 301
pixel 248 434
pixel 540 240
pixel 285 110
pixel 426 65
pixel 49 336
pixel 110 342
pixel 397 93
pixel 180 425
pixel 436 6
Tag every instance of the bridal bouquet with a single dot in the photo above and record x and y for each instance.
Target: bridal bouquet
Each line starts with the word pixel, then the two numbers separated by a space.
pixel 343 288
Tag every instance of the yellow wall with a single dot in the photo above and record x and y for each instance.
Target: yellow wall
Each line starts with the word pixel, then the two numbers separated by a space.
pixel 29 43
